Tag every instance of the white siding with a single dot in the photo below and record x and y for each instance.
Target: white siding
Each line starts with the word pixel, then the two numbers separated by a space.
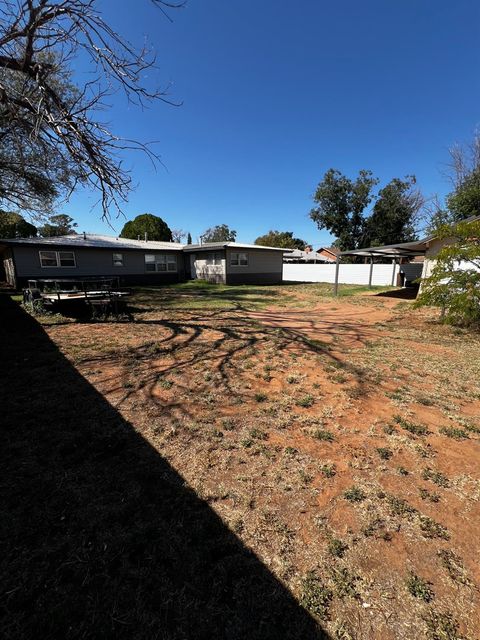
pixel 349 273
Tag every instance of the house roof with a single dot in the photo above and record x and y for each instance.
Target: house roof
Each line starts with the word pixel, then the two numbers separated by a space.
pixel 307 256
pixel 94 241
pixel 333 250
pixel 208 246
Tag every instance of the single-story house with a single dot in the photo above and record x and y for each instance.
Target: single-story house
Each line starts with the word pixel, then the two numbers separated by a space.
pixel 306 256
pixel 234 263
pixel 83 255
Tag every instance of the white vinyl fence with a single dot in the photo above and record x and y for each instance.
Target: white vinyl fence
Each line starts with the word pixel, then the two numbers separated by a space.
pixel 382 275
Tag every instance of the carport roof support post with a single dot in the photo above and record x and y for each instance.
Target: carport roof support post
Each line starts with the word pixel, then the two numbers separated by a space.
pixel 337 268
pixel 371 273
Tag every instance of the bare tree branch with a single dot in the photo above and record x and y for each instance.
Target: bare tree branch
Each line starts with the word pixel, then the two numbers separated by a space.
pixel 44 114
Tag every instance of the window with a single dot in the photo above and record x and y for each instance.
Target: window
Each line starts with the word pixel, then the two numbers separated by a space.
pixel 239 259
pixel 160 262
pixel 214 259
pixel 118 259
pixel 57 259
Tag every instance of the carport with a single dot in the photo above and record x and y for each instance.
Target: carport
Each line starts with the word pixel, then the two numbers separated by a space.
pixel 395 252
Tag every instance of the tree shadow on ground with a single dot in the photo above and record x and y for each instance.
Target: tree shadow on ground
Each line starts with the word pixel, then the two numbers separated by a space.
pixel 101 537
pixel 407 293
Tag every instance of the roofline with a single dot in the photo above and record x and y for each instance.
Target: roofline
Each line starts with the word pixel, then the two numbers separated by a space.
pixel 210 246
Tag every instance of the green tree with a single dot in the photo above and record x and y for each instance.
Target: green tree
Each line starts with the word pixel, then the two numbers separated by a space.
pixel 394 214
pixel 59 225
pixel 12 225
pixel 219 233
pixel 340 203
pixel 282 239
pixel 147 223
pixel 189 238
pixel 454 283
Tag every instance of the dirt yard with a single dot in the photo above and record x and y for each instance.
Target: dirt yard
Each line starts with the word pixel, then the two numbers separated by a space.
pixel 336 439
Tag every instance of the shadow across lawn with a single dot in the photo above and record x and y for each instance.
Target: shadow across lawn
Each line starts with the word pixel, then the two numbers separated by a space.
pixel 101 537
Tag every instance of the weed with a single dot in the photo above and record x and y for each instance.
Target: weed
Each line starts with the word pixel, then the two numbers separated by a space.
pixel 354 494
pixel 291 451
pixel 454 566
pixel 399 506
pixel 426 495
pixel 292 379
pixel 305 401
pixel 337 548
pixel 435 476
pixel 228 424
pixel 322 434
pixel 432 529
pixel 419 588
pixel 454 432
pixel 246 443
pixel 260 397
pixel 328 470
pixel 305 477
pixel 411 427
pixel 344 582
pixel 389 429
pixel 164 383
pixel 384 453
pixel 315 596
pixel 402 471
pixel 258 434
pixel 441 626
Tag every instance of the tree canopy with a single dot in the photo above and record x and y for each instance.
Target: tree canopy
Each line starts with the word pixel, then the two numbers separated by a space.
pixel 219 233
pixel 147 223
pixel 52 134
pixel 342 209
pixel 393 218
pixel 340 203
pixel 59 225
pixel 282 239
pixel 13 225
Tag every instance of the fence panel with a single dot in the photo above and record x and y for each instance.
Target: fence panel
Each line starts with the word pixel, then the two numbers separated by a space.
pixel 383 274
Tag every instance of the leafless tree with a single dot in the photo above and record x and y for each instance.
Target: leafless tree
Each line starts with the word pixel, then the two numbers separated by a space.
pixel 178 235
pixel 464 160
pixel 51 133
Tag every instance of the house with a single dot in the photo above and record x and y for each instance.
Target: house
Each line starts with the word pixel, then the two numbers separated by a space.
pixel 330 253
pixel 234 263
pixel 306 256
pixel 136 261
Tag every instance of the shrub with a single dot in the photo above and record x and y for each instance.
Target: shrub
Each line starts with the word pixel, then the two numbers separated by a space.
pixel 456 291
pixel 336 547
pixel 419 588
pixel 384 453
pixel 454 432
pixel 305 401
pixel 315 596
pixel 411 427
pixel 322 434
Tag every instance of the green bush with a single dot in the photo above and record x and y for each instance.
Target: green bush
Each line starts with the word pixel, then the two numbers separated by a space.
pixel 456 291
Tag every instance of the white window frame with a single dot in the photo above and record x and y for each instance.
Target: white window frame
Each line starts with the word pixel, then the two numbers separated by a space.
pixel 58 260
pixel 166 260
pixel 116 260
pixel 236 260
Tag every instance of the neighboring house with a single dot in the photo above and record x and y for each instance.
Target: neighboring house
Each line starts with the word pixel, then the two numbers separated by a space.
pixel 234 263
pixel 136 261
pixel 330 253
pixel 307 256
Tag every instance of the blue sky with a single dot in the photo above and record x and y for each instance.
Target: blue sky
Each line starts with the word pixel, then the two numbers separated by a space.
pixel 276 92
